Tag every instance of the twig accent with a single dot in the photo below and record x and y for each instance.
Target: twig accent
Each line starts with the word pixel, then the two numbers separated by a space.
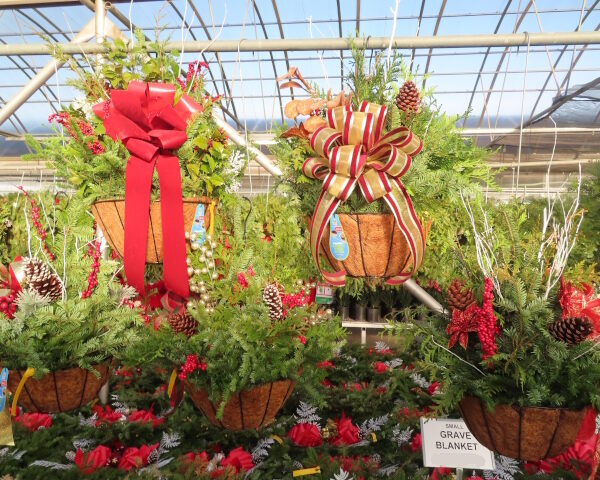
pixel 457 356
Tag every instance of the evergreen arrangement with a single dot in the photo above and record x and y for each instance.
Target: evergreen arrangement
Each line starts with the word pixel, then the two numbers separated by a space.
pixel 87 159
pixel 514 335
pixel 447 165
pixel 230 340
pixel 68 310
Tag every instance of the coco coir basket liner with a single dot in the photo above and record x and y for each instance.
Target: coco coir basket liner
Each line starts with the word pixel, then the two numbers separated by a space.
pixel 377 247
pixel 248 409
pixel 59 391
pixel 523 433
pixel 110 215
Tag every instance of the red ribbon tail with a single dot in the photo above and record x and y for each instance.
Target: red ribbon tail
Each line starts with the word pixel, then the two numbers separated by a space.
pixel 173 226
pixel 138 181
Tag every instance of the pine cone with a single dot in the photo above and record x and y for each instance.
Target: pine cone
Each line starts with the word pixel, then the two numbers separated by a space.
pixel 571 330
pixel 41 280
pixel 460 297
pixel 183 323
pixel 408 99
pixel 272 299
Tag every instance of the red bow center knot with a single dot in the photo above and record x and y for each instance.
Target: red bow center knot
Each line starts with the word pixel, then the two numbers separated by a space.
pixel 352 150
pixel 145 120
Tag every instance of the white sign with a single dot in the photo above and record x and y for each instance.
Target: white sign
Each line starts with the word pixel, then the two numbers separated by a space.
pixel 449 443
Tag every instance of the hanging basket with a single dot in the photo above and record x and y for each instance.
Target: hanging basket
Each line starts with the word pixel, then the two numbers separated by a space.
pixel 377 247
pixel 523 433
pixel 249 409
pixel 60 391
pixel 110 216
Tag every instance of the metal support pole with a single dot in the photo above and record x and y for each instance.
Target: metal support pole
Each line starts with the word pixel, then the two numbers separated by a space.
pixel 238 139
pixel 87 33
pixel 100 15
pixel 421 295
pixel 311 44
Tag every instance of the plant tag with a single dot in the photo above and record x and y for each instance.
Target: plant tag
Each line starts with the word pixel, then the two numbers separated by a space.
pixel 3 386
pixel 449 443
pixel 324 294
pixel 6 435
pixel 198 232
pixel 338 245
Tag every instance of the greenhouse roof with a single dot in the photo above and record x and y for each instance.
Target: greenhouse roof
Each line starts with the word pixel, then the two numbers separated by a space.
pixel 538 87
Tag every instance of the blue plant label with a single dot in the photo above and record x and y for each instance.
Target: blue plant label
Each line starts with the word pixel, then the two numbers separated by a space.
pixel 198 232
pixel 338 245
pixel 3 385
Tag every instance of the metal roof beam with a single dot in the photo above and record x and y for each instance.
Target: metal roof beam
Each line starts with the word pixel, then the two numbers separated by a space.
pixel 309 44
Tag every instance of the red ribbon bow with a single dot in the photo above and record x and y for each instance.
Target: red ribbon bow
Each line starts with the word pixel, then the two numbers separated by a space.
pixel 144 119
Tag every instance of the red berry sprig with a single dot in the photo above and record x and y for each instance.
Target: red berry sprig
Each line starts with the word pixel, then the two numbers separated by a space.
pixel 93 276
pixel 190 366
pixel 7 305
pixel 487 328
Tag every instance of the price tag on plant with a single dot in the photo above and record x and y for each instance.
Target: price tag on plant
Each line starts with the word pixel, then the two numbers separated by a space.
pixel 6 435
pixel 449 443
pixel 338 245
pixel 324 294
pixel 198 232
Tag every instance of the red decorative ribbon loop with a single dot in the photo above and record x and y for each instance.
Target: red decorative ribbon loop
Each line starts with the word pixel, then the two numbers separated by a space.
pixel 144 119
pixel 353 151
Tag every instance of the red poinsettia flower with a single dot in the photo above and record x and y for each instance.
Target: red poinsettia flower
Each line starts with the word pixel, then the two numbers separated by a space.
pixel 416 442
pixel 325 364
pixel 145 416
pixel 463 323
pixel 433 388
pixel 347 432
pixel 380 367
pixel 305 435
pixel 239 459
pixel 196 457
pixel 106 415
pixel 34 421
pixel 93 460
pixel 135 457
pixel 439 473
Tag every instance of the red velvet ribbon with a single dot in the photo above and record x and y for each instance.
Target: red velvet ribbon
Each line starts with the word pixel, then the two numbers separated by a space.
pixel 144 119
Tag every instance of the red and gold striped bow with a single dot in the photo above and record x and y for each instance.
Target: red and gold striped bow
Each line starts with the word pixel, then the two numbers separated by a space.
pixel 352 150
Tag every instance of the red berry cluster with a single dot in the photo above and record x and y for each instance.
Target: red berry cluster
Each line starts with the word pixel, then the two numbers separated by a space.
pixel 293 300
pixel 93 276
pixel 194 69
pixel 487 328
pixel 190 366
pixel 96 147
pixel 316 113
pixel 7 305
pixel 35 219
pixel 63 118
